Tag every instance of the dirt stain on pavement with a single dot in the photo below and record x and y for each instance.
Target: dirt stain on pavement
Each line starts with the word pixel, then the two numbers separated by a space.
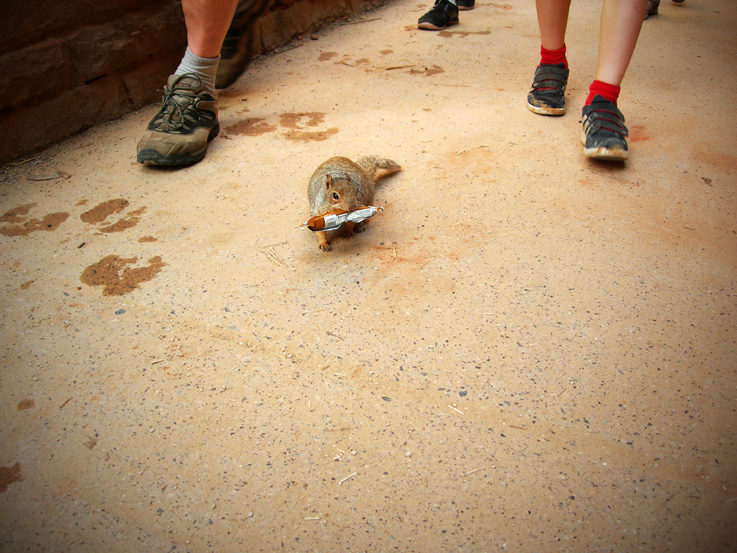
pixel 638 134
pixel 8 475
pixel 26 285
pixel 147 239
pixel 23 227
pixel 325 56
pixel 117 279
pixel 428 71
pixel 25 404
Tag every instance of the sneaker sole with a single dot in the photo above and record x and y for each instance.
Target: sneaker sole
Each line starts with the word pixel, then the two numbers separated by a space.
pixel 464 9
pixel 546 110
pixel 149 156
pixel 430 27
pixel 604 154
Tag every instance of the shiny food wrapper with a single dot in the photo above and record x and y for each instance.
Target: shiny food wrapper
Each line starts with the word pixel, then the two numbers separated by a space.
pixel 334 218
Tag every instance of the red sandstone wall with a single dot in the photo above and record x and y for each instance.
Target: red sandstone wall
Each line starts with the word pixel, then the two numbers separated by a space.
pixel 66 65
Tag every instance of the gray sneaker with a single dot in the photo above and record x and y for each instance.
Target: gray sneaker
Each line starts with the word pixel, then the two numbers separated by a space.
pixel 187 120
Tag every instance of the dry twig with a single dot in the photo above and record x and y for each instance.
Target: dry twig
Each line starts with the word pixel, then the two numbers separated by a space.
pixel 347 477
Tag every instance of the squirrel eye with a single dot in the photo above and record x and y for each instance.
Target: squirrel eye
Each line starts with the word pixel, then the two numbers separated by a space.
pixel 336 196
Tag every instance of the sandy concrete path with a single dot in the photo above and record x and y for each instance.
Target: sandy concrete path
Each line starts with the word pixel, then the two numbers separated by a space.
pixel 526 351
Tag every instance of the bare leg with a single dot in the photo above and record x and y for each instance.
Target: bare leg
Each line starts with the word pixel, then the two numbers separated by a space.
pixel 207 23
pixel 621 21
pixel 552 18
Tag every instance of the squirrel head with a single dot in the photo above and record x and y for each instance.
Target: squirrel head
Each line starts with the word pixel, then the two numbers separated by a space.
pixel 335 196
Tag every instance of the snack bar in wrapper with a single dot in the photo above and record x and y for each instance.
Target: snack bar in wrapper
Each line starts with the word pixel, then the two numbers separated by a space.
pixel 334 218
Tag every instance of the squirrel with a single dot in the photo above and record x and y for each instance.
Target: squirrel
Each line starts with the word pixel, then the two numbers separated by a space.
pixel 339 183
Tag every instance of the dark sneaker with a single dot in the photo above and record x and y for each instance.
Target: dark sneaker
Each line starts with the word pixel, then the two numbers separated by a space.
pixel 652 8
pixel 187 120
pixel 439 17
pixel 237 48
pixel 604 131
pixel 468 4
pixel 547 95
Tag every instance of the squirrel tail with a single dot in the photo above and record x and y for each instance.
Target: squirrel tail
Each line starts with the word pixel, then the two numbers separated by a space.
pixel 378 167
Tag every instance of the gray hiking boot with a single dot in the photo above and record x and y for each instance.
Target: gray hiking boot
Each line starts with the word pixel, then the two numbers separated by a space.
pixel 237 48
pixel 187 120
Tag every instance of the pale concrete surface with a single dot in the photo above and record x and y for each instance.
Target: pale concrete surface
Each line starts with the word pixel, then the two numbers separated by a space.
pixel 526 351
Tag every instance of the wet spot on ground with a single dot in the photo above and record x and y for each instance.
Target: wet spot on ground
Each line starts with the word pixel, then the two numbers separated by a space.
pixel 112 273
pixel 24 227
pixel 133 218
pixel 325 56
pixel 102 211
pixel 8 475
pixel 25 404
pixel 253 126
pixel 462 34
pixel 26 285
pixel 17 214
pixel 300 125
pixel 147 239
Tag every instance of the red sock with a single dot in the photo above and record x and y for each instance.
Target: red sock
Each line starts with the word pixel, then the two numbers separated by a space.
pixel 553 57
pixel 607 91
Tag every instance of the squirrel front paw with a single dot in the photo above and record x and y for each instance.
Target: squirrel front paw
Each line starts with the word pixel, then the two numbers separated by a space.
pixel 322 238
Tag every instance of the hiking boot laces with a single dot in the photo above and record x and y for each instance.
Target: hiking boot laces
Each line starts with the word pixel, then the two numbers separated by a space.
pixel 178 102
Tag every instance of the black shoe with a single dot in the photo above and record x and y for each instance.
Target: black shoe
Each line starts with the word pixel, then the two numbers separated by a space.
pixel 547 95
pixel 604 131
pixel 652 8
pixel 468 4
pixel 237 49
pixel 439 17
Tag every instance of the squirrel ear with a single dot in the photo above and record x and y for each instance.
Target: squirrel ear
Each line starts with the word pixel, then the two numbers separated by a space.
pixel 328 181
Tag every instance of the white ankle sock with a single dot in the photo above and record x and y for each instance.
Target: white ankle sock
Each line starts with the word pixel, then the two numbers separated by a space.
pixel 204 68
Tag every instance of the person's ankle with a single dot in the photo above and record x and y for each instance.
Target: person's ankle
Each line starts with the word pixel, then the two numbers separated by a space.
pixel 553 57
pixel 609 92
